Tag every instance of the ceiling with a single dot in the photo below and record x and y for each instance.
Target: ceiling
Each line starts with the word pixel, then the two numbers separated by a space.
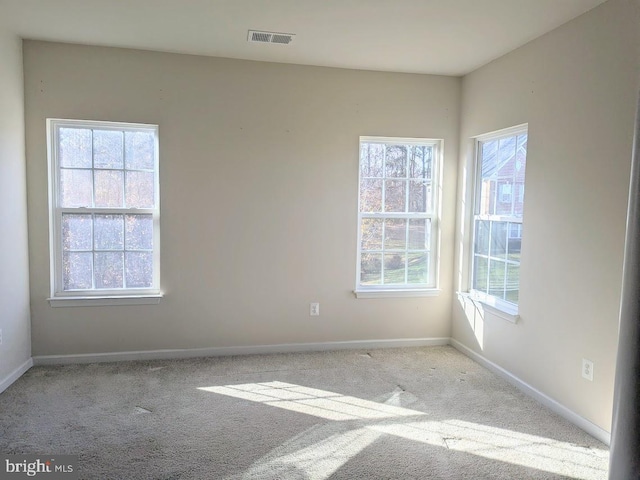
pixel 448 37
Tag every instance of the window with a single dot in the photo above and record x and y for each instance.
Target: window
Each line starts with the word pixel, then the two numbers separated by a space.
pixel 104 223
pixel 505 193
pixel 398 215
pixel 499 202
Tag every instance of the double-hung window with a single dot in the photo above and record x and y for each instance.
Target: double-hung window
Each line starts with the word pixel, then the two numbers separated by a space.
pixel 104 211
pixel 498 208
pixel 398 224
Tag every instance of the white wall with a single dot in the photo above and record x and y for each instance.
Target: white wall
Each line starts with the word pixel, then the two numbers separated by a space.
pixel 576 87
pixel 14 269
pixel 259 169
pixel 259 191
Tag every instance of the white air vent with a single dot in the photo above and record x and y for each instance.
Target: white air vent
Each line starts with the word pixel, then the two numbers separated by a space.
pixel 270 37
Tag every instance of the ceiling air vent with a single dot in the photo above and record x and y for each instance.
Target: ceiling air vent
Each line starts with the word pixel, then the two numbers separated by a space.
pixel 257 36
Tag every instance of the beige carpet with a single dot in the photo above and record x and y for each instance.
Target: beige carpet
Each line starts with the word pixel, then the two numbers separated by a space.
pixel 412 413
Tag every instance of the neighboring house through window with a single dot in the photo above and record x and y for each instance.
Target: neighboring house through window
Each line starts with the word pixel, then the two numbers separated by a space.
pixel 398 224
pixel 498 213
pixel 104 210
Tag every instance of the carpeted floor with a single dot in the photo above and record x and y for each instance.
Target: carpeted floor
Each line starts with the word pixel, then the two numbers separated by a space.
pixel 411 413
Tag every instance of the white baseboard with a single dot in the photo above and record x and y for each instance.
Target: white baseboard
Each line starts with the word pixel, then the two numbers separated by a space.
pixel 581 422
pixel 225 351
pixel 15 375
pixel 169 354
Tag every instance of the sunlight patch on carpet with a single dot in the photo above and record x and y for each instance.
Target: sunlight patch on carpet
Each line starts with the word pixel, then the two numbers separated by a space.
pixel 320 403
pixel 503 445
pixel 316 454
pixel 318 457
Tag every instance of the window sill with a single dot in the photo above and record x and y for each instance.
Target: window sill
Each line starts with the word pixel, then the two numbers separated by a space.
pixel 431 292
pixel 504 311
pixel 105 301
pixel 510 316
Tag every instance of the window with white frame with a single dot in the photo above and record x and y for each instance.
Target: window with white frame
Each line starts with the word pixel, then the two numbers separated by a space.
pixel 398 214
pixel 499 202
pixel 104 209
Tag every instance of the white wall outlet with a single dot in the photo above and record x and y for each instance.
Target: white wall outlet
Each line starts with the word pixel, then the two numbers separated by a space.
pixel 0 336
pixel 587 369
pixel 314 309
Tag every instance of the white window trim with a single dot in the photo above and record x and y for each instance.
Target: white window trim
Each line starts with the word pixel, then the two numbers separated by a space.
pixel 415 290
pixel 118 300
pixel 498 307
pixel 406 293
pixel 102 297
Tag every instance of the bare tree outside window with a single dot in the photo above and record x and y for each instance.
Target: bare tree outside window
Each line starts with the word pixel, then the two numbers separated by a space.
pixel 397 214
pixel 105 207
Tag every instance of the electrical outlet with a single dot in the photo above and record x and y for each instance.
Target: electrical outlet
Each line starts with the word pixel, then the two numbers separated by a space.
pixel 587 369
pixel 0 336
pixel 314 309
